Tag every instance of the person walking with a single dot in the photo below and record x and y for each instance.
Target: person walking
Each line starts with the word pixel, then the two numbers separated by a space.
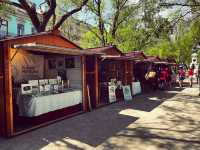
pixel 162 79
pixel 190 75
pixel 181 76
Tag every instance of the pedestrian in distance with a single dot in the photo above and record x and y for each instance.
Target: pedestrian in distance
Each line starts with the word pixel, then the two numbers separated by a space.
pixel 163 79
pixel 190 75
pixel 181 76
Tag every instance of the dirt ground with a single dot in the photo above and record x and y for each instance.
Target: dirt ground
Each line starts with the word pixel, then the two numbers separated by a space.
pixel 161 120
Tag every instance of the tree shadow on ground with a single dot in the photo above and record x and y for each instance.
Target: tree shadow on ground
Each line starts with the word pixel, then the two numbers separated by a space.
pixel 92 128
pixel 179 130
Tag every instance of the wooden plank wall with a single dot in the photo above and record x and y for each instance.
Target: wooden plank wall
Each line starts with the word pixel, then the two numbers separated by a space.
pixel 2 100
pixel 92 79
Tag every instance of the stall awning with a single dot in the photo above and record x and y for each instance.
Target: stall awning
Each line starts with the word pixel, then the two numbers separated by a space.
pixel 111 57
pixel 35 47
pixel 161 62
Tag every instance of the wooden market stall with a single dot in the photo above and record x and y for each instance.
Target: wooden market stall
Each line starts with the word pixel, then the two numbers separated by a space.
pixel 113 66
pixel 43 79
pixel 140 67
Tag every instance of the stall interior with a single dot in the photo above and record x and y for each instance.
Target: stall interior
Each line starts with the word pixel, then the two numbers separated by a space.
pixel 111 73
pixel 140 68
pixel 45 87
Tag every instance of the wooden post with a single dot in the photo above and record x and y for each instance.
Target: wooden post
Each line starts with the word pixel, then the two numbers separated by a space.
pixel 2 98
pixel 97 80
pixel 89 98
pixel 126 73
pixel 84 83
pixel 8 91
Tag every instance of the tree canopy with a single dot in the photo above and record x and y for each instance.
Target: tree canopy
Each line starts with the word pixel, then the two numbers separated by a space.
pixel 40 21
pixel 141 25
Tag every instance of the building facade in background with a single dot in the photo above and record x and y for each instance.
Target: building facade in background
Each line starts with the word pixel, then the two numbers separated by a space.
pixel 15 23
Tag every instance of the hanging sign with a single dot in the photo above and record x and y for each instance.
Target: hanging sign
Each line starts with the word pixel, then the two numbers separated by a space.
pixel 27 66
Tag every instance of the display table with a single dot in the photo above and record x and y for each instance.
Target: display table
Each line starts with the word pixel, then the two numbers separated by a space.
pixel 31 106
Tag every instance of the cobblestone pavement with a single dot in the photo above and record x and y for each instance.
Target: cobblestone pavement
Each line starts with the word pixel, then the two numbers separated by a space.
pixel 162 120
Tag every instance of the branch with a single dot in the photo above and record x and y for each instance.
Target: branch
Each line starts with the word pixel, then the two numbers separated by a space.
pixel 11 3
pixel 179 4
pixel 48 14
pixel 91 30
pixel 31 11
pixel 123 4
pixel 68 14
pixel 117 21
pixel 173 22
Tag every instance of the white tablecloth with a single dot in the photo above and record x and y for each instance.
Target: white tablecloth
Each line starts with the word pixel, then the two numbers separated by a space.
pixel 31 106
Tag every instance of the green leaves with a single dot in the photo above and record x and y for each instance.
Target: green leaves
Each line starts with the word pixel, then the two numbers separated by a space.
pixel 90 40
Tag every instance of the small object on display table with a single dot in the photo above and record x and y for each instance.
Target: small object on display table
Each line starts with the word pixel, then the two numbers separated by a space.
pixel 26 89
pixel 49 95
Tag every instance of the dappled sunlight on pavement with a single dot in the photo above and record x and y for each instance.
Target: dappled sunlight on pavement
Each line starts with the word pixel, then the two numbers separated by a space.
pixel 162 120
pixel 173 125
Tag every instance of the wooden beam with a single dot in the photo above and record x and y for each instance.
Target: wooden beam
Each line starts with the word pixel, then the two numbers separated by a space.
pixel 97 80
pixel 2 98
pixel 125 72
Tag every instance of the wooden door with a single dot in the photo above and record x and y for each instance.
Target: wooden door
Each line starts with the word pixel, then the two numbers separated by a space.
pixel 2 99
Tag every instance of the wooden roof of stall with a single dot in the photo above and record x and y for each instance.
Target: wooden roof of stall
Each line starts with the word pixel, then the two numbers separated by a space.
pixel 153 59
pixel 46 42
pixel 108 51
pixel 44 48
pixel 42 38
pixel 139 55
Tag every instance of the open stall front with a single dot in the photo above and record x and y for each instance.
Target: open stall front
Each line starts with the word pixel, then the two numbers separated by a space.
pixel 113 70
pixel 43 80
pixel 139 69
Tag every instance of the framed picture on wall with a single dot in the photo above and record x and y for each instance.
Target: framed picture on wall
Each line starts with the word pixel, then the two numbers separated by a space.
pixel 70 62
pixel 52 63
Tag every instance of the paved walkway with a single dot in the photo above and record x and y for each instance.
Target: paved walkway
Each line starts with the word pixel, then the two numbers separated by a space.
pixel 155 121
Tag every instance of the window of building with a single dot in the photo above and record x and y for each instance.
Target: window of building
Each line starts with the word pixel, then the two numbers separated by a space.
pixel 20 29
pixel 33 30
pixel 3 27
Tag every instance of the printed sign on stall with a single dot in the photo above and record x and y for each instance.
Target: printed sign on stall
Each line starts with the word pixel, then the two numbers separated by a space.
pixel 27 66
pixel 127 93
pixel 136 88
pixel 112 95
